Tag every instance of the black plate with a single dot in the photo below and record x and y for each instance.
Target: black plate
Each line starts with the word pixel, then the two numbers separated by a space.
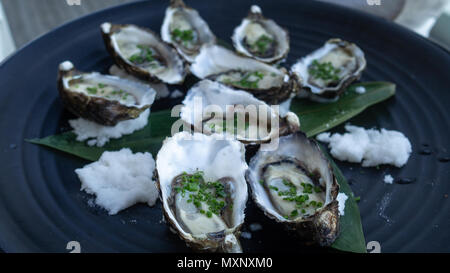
pixel 42 208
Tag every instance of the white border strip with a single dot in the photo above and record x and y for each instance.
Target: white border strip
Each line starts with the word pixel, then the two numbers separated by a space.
pixel 7 45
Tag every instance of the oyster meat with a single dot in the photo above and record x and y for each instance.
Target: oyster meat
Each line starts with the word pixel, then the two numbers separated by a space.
pixel 185 30
pixel 261 38
pixel 264 81
pixel 141 53
pixel 203 189
pixel 103 99
pixel 295 185
pixel 326 72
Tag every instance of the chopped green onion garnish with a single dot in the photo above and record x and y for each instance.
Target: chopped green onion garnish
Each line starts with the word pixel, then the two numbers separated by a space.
pixel 325 71
pixel 91 90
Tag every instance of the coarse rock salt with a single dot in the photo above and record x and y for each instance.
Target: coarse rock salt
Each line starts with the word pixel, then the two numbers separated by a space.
pixel 360 90
pixel 371 147
pixel 98 135
pixel 388 179
pixel 341 198
pixel 120 179
pixel 255 227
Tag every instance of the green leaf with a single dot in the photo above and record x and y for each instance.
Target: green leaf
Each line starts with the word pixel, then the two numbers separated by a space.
pixel 319 117
pixel 148 139
pixel 351 237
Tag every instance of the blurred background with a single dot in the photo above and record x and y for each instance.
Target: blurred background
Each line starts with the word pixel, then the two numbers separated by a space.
pixel 23 20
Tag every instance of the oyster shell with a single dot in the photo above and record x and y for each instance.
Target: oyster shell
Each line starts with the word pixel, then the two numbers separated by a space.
pixel 162 91
pixel 261 38
pixel 326 72
pixel 141 53
pixel 198 168
pixel 264 81
pixel 295 185
pixel 101 98
pixel 185 30
pixel 211 107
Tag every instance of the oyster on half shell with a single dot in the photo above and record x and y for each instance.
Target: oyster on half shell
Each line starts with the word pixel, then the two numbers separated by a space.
pixel 326 72
pixel 203 189
pixel 264 81
pixel 261 38
pixel 296 186
pixel 211 107
pixel 141 53
pixel 103 99
pixel 185 30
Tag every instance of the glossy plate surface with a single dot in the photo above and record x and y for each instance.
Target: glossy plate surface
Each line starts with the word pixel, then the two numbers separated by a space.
pixel 42 208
